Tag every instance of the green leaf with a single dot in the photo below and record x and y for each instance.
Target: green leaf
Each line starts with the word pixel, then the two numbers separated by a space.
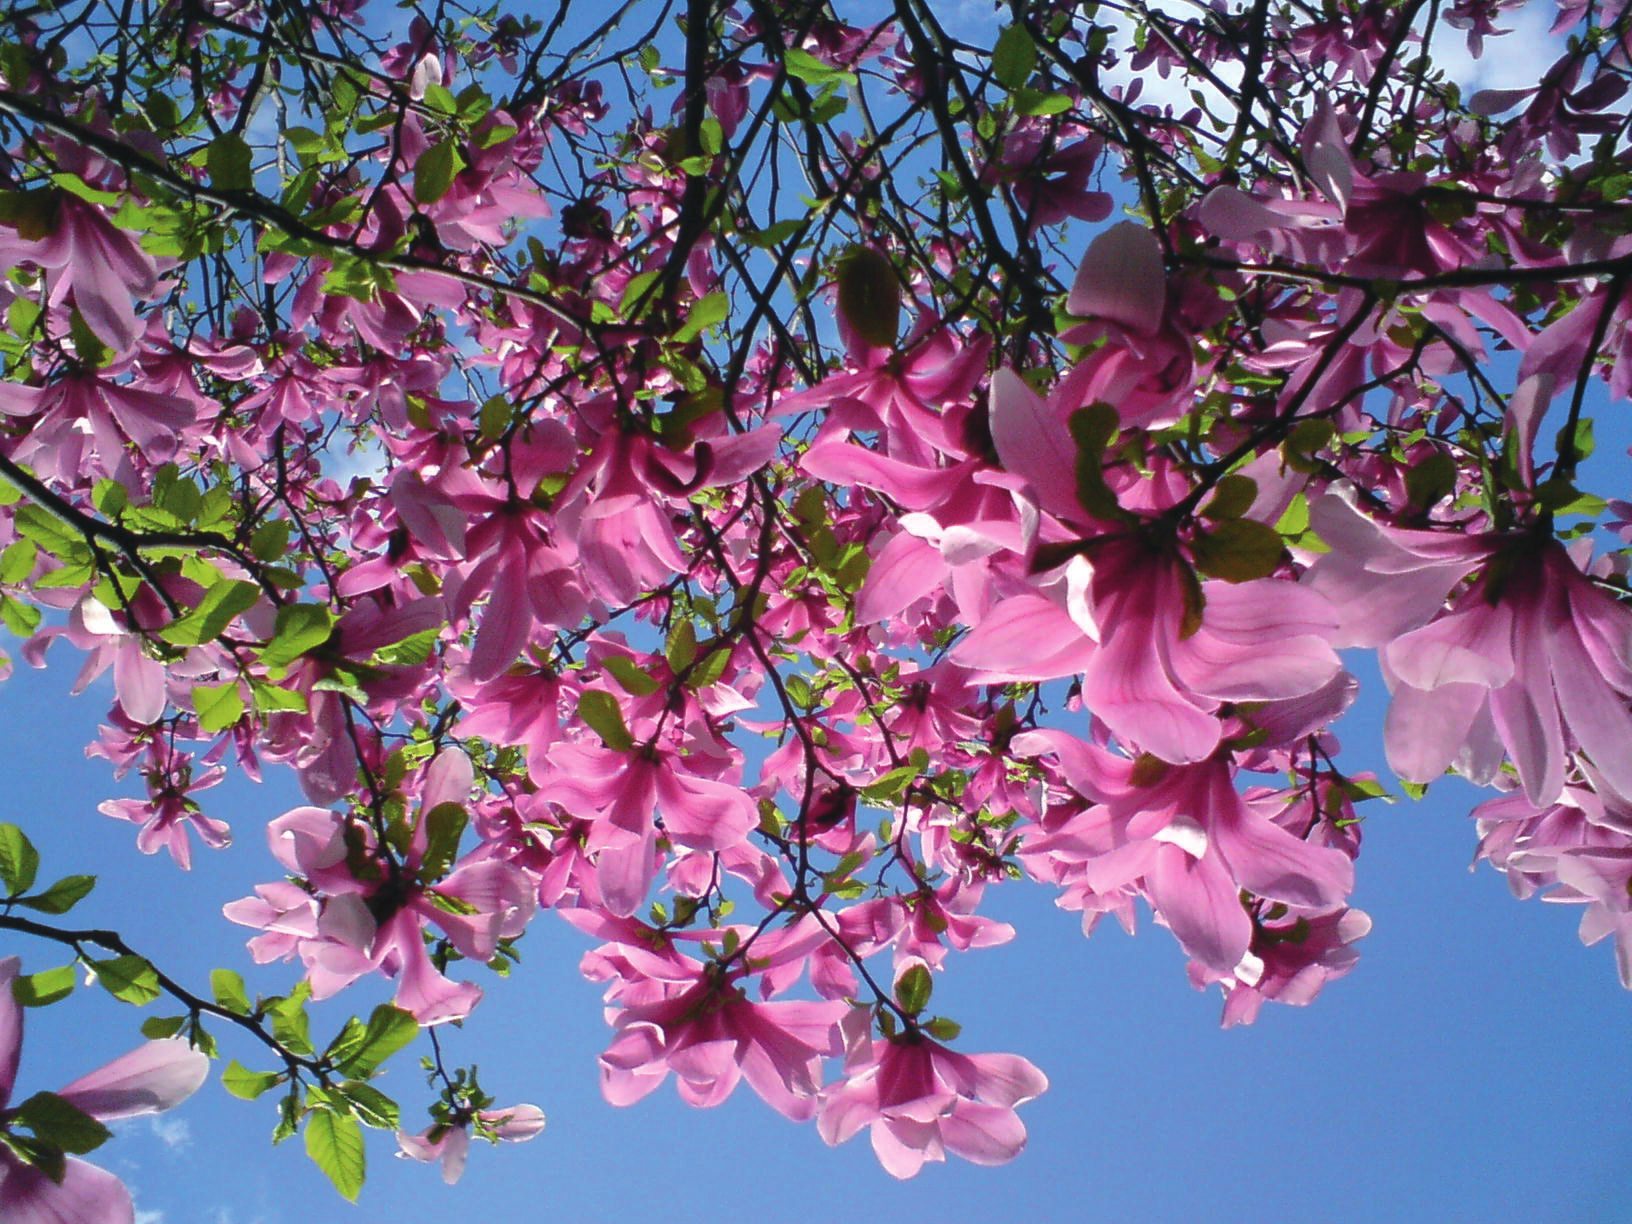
pixel 1430 479
pixel 630 677
pixel 229 162
pixel 942 1029
pixel 705 312
pixel 371 1106
pixel 682 646
pixel 913 988
pixel 772 234
pixel 245 1084
pixel 288 1114
pixel 1580 441
pixel 1033 102
pixel 1239 550
pixel 55 1121
pixel 335 1145
pixel 435 170
pixel 601 712
pixel 47 986
pixel 218 706
pixel 806 67
pixel 19 861
pixel 1232 497
pixel 230 993
pixel 157 1028
pixel 887 788
pixel 299 628
pixel 443 825
pixel 269 698
pixel 61 896
pixel 709 670
pixel 22 619
pixel 413 650
pixel 88 346
pixel 1093 429
pixel 225 600
pixel 270 541
pixel 389 1030
pixel 17 562
pixel 1014 57
pixel 289 1022
pixel 870 295
pixel 128 978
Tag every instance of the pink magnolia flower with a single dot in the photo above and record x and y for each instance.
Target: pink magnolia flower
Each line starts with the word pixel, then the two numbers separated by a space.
pixel 921 1100
pixel 449 1141
pixel 150 1079
pixel 1601 879
pixel 83 254
pixel 376 923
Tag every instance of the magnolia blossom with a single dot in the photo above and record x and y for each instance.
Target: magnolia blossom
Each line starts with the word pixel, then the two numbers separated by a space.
pixel 150 1079
pixel 449 1142
pixel 921 1100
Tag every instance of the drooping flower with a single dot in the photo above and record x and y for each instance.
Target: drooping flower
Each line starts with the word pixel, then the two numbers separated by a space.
pixel 449 1142
pixel 921 1100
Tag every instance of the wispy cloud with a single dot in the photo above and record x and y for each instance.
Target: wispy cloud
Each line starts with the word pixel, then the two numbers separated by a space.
pixel 174 1133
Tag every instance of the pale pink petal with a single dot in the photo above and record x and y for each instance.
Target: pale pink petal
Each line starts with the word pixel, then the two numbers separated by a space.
pixel 913 488
pixel 1032 441
pixel 704 814
pixel 1425 729
pixel 455 1150
pixel 139 682
pixel 1201 905
pixel 150 1079
pixel 517 1124
pixel 1026 637
pixel 1121 279
pixel 984 1134
pixel 902 1146
pixel 1471 646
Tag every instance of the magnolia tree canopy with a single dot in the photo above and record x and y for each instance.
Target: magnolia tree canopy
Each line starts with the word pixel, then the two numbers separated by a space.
pixel 752 479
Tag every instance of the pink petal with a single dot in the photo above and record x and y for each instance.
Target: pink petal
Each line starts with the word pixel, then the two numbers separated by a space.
pixel 1121 278
pixel 1201 905
pixel 11 1028
pixel 984 1134
pixel 150 1079
pixel 905 570
pixel 1026 637
pixel 1032 441
pixel 86 1195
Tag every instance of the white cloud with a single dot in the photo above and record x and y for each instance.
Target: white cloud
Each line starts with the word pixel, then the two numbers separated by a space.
pixel 174 1133
pixel 149 1217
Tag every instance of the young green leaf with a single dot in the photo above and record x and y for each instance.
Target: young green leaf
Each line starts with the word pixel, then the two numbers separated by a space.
pixel 335 1144
pixel 601 712
pixel 230 993
pixel 389 1029
pixel 913 988
pixel 127 978
pixel 19 861
pixel 61 896
pixel 47 986
pixel 245 1084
